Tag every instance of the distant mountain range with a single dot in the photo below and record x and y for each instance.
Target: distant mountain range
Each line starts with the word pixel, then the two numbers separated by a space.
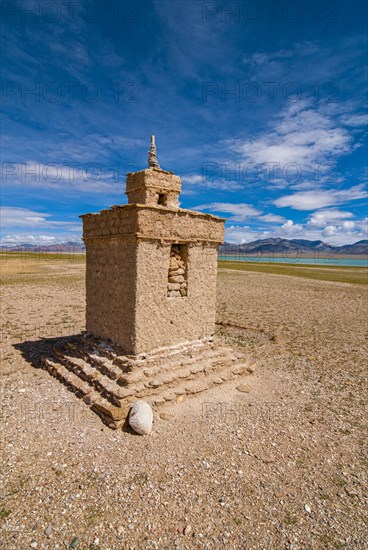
pixel 71 247
pixel 292 246
pixel 260 246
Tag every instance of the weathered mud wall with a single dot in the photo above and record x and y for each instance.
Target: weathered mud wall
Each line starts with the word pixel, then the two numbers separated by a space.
pixel 163 320
pixel 111 290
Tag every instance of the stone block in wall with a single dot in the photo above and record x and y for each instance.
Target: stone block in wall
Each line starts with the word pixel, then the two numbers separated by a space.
pixel 173 286
pixel 176 279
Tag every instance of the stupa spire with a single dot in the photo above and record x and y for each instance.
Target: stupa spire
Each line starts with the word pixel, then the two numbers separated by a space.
pixel 152 155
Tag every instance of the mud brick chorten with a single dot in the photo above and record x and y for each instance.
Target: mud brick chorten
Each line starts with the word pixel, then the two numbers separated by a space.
pixel 151 266
pixel 151 292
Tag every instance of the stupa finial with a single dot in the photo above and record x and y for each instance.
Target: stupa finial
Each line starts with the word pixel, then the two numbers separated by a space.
pixel 152 155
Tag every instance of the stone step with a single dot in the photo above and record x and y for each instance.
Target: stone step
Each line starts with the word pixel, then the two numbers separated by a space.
pixel 130 362
pixel 64 375
pixel 171 380
pixel 93 356
pixel 186 380
pixel 172 370
pixel 143 385
pixel 112 415
pixel 107 351
pixel 101 383
pixel 207 379
pixel 203 383
pixel 152 364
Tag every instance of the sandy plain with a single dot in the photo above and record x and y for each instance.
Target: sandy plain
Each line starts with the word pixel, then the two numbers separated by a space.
pixel 283 466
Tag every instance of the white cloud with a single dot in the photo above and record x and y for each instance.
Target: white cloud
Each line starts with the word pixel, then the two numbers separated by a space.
pixel 329 231
pixel 337 234
pixel 313 200
pixel 272 218
pixel 290 228
pixel 356 120
pixel 15 239
pixel 299 49
pixel 306 200
pixel 11 216
pixel 29 239
pixel 32 239
pixel 347 231
pixel 303 135
pixel 308 185
pixel 243 234
pixel 23 217
pixel 323 217
pixel 239 212
pixel 194 178
pixel 348 226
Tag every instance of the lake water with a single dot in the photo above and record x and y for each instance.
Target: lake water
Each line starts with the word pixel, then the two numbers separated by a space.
pixel 355 262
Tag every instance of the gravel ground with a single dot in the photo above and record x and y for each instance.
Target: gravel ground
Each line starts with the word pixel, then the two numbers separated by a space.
pixel 283 466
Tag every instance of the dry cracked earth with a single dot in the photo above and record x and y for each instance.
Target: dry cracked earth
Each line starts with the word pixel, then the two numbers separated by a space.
pixel 281 467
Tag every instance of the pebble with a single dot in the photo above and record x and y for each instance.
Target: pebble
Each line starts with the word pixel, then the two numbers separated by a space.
pixel 48 530
pixel 187 529
pixel 244 388
pixel 307 508
pixel 351 491
pixel 75 543
pixel 166 416
pixel 141 417
pixel 155 383
pixel 33 544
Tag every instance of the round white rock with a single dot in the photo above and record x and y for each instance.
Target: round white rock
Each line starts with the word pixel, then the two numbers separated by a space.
pixel 141 417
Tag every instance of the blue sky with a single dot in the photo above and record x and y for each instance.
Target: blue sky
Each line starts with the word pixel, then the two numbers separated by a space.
pixel 259 107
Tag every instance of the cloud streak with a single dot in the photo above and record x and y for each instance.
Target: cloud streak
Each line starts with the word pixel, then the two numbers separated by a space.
pixel 14 217
pixel 312 200
pixel 301 135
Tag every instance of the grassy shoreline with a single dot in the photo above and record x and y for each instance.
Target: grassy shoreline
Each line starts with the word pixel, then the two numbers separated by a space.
pixel 309 256
pixel 43 256
pixel 341 274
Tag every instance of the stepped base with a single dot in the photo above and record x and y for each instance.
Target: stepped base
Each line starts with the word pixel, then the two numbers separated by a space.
pixel 109 382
